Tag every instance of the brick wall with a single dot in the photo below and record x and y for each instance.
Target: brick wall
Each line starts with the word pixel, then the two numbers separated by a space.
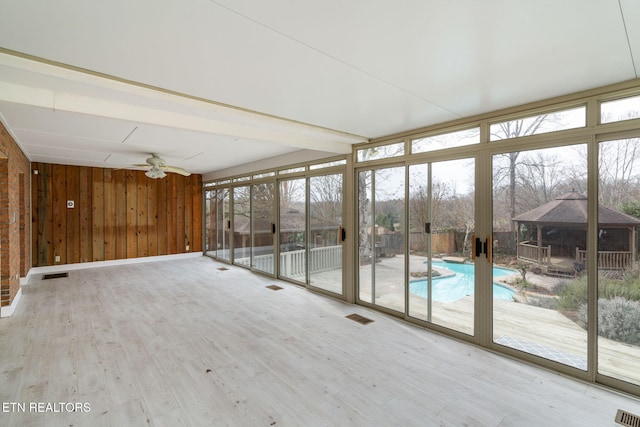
pixel 15 205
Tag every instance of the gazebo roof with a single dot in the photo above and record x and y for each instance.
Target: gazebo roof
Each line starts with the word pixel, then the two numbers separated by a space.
pixel 571 209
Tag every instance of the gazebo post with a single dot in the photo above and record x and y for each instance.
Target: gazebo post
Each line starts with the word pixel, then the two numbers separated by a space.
pixel 539 229
pixel 633 237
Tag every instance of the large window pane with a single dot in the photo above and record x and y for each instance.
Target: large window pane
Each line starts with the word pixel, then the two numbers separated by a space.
pixel 539 233
pixel 618 273
pixel 325 225
pixel 293 239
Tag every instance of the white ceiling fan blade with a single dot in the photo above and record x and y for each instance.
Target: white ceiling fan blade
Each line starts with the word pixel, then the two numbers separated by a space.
pixel 175 169
pixel 141 165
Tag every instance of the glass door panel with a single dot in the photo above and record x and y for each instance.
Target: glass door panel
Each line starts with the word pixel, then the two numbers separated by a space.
pixel 325 229
pixel 381 206
pixel 539 236
pixel 442 219
pixel 263 227
pixel 292 237
pixel 210 222
pixel 618 273
pixel 241 226
pixel 223 224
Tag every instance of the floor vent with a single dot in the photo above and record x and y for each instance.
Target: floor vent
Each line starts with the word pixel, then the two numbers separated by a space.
pixel 359 319
pixel 627 419
pixel 223 268
pixel 274 287
pixel 55 276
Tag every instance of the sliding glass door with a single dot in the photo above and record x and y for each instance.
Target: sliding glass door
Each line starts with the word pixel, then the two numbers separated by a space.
pixel 441 226
pixel 292 226
pixel 241 225
pixel 325 232
pixel 263 227
pixel 223 224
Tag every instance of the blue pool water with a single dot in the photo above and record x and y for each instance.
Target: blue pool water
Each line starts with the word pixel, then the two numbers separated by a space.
pixel 452 288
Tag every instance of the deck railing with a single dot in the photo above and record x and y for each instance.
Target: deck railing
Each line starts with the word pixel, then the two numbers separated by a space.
pixel 292 263
pixel 539 254
pixel 607 260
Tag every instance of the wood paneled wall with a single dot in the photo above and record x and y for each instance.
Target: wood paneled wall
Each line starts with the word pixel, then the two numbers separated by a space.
pixel 117 214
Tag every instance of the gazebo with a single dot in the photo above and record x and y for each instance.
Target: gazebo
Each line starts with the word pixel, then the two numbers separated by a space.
pixel 554 236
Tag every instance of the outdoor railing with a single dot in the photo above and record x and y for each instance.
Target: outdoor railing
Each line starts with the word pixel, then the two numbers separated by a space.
pixel 534 253
pixel 607 260
pixel 292 263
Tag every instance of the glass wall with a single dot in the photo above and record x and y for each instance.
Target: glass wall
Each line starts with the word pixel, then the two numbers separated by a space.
pixel 555 188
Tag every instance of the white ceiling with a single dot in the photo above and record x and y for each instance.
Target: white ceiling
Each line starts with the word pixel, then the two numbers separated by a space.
pixel 211 85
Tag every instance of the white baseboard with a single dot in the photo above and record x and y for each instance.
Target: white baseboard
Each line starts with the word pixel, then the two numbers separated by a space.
pixel 83 265
pixel 8 310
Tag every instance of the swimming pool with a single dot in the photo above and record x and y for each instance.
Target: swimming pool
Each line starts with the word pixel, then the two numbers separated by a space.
pixel 461 284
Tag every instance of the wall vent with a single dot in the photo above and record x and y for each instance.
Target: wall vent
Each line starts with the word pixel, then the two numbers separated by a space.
pixel 627 419
pixel 360 319
pixel 273 287
pixel 223 268
pixel 55 276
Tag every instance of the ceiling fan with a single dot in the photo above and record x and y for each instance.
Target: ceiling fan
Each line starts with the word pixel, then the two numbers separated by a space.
pixel 157 167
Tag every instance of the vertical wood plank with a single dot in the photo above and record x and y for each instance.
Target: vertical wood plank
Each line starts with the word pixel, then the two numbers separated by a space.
pixel 97 219
pixel 172 194
pixel 131 183
pixel 120 205
pixel 143 230
pixel 36 234
pixel 162 201
pixel 73 214
pixel 48 221
pixel 188 213
pixel 197 220
pixel 152 216
pixel 59 213
pixel 180 214
pixel 109 216
pixel 86 210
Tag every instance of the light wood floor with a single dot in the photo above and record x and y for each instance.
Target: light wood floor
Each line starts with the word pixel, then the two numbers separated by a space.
pixel 183 343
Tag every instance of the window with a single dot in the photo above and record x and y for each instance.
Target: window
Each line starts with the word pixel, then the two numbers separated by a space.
pixel 620 109
pixel 446 140
pixel 542 123
pixel 328 164
pixel 292 170
pixel 381 152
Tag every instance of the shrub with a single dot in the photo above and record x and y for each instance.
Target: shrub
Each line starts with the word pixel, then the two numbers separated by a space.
pixel 571 294
pixel 618 319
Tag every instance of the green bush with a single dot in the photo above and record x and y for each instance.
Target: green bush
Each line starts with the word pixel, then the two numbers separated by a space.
pixel 573 294
pixel 618 319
